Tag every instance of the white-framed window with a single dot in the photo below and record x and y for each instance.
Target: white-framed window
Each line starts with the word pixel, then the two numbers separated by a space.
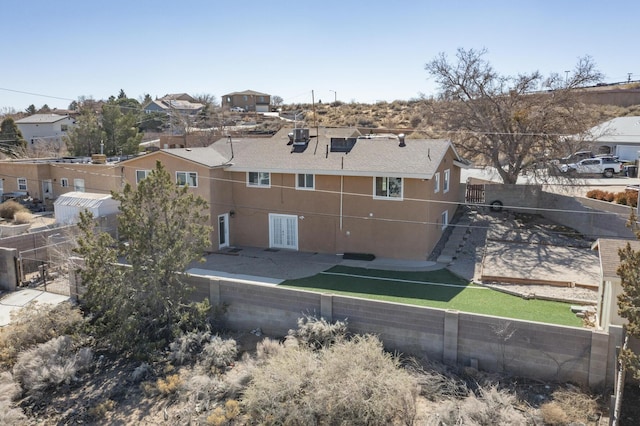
pixel 305 181
pixel 22 184
pixel 141 174
pixel 64 127
pixel 436 182
pixel 187 178
pixel 64 182
pixel 445 184
pixel 444 217
pixel 387 188
pixel 78 185
pixel 259 179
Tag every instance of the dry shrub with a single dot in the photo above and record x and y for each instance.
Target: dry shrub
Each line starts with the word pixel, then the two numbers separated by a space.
pixel 553 414
pixel 187 347
pixel 351 382
pixel 436 381
pixel 570 405
pixel 22 218
pixel 9 413
pixel 218 353
pixel 10 208
pixel 491 407
pixel 267 348
pixel 318 333
pixel 599 194
pixel 626 198
pixel 50 364
pixel 170 385
pixel 98 411
pixel 35 324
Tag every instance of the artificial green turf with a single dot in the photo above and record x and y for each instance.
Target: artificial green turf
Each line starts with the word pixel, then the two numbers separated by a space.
pixel 465 297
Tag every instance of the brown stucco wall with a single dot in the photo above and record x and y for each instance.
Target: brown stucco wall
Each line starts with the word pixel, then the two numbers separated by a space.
pixel 99 178
pixel 406 229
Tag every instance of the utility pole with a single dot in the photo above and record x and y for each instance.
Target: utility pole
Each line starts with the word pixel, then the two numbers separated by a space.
pixel 566 76
pixel 335 95
pixel 629 77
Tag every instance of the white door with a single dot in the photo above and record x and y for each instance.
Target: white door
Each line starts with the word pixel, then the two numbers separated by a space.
pixel 283 231
pixel 223 230
pixel 47 189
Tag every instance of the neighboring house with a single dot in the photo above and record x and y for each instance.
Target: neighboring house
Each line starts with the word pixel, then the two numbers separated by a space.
pixel 45 132
pixel 170 106
pixel 610 283
pixel 619 136
pixel 249 100
pixel 48 179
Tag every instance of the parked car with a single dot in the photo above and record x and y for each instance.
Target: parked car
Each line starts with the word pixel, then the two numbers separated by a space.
pixel 576 156
pixel 606 166
pixel 237 109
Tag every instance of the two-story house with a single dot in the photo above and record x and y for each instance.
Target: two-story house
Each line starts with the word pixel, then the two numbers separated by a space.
pixel 248 100
pixel 45 132
pixel 321 190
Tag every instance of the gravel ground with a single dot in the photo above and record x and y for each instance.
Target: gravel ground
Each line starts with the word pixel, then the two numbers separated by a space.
pixel 488 228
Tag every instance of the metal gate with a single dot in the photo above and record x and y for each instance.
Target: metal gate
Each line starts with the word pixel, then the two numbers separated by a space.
pixel 475 194
pixel 47 266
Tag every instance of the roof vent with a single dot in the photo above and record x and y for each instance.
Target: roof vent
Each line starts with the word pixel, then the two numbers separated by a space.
pixel 401 139
pixel 300 136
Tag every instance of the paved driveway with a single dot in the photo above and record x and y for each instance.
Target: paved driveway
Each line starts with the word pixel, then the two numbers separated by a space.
pixel 12 302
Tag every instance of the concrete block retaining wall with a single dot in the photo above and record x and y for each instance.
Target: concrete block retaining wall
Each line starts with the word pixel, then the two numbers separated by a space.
pixel 523 348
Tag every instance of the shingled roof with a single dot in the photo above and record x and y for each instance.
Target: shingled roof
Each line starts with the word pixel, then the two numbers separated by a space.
pixel 373 155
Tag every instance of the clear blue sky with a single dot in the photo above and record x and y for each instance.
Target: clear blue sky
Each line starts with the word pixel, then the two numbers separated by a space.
pixel 364 50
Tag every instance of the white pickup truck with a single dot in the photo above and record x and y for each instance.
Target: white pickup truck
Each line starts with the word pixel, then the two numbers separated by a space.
pixel 606 166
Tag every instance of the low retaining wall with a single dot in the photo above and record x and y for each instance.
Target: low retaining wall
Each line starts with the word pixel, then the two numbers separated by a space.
pixel 523 348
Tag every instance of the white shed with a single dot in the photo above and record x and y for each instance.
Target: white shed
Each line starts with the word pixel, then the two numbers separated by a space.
pixel 68 206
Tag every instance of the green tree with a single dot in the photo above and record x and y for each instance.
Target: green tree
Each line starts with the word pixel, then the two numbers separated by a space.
pixel 73 106
pixel 121 131
pixel 509 122
pixel 162 228
pixel 31 109
pixel 86 136
pixel 629 300
pixel 11 141
pixel 44 110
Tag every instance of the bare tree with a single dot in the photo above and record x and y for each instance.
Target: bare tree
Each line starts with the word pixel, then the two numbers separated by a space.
pixel 509 122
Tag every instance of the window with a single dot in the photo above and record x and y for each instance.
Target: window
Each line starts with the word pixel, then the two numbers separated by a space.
pixel 304 181
pixel 258 179
pixel 187 178
pixel 22 184
pixel 445 185
pixel 141 174
pixel 245 98
pixel 78 185
pixel 388 187
pixel 64 182
pixel 445 219
pixel 261 98
pixel 436 182
pixel 64 127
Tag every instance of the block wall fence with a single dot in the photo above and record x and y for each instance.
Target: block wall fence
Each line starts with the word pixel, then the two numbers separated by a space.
pixel 522 348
